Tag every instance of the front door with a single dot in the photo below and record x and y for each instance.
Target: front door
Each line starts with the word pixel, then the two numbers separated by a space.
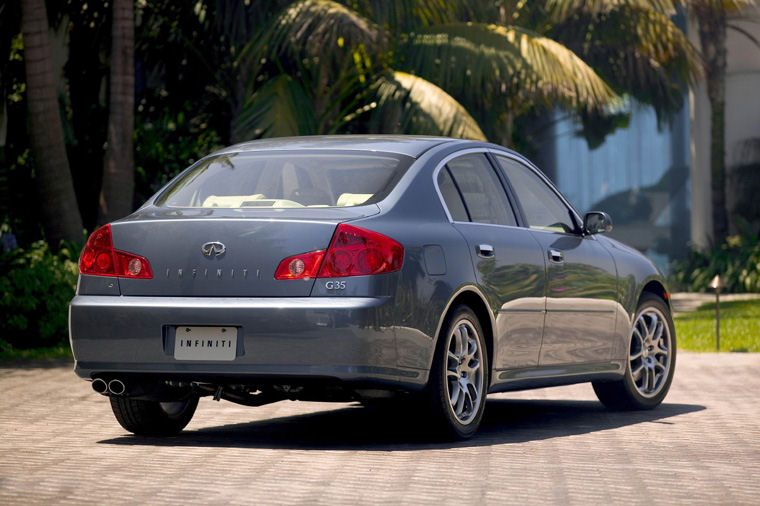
pixel 582 279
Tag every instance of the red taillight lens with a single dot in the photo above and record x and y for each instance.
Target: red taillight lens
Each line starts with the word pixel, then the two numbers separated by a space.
pixel 358 252
pixel 98 258
pixel 353 251
pixel 304 266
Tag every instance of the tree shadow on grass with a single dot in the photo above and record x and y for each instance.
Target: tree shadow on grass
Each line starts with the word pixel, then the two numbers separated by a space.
pixel 355 427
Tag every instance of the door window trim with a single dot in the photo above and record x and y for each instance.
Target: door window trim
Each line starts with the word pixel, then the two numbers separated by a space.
pixel 468 151
pixel 490 154
pixel 524 162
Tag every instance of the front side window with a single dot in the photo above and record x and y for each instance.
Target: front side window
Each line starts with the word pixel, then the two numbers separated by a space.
pixel 287 179
pixel 543 209
pixel 482 192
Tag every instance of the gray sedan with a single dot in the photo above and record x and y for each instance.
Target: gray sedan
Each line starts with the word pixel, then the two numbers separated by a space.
pixel 364 268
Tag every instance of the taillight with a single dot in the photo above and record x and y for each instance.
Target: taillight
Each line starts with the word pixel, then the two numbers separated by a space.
pixel 304 266
pixel 99 258
pixel 353 251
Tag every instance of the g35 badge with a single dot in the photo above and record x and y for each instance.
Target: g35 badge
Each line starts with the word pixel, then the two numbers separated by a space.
pixel 335 285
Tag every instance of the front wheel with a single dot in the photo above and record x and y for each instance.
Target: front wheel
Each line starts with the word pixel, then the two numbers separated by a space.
pixel 651 360
pixel 153 418
pixel 459 377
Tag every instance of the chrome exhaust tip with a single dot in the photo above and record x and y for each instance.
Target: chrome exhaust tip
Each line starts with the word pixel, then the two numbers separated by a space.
pixel 100 386
pixel 116 387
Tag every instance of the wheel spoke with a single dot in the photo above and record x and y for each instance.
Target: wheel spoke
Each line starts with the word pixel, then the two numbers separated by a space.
pixel 472 348
pixel 460 401
pixel 471 367
pixel 658 333
pixel 636 355
pixel 461 341
pixel 637 373
pixel 652 324
pixel 652 378
pixel 469 404
pixel 456 390
pixel 637 335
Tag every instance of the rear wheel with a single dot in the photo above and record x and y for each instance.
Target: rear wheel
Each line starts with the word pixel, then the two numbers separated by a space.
pixel 459 377
pixel 153 418
pixel 651 360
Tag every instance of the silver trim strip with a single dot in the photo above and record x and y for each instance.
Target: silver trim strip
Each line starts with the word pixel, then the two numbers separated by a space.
pixel 506 154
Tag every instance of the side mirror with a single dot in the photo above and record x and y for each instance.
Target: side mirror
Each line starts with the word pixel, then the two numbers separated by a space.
pixel 597 222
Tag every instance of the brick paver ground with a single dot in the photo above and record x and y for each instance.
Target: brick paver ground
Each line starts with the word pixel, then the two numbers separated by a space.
pixel 59 443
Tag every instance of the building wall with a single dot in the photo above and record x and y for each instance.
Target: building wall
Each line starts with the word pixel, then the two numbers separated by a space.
pixel 742 120
pixel 639 175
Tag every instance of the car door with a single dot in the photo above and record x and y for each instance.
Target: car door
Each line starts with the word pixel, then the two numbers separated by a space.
pixel 582 279
pixel 508 263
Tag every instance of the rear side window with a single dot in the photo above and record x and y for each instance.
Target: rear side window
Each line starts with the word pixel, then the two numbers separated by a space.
pixel 287 179
pixel 543 209
pixel 451 196
pixel 481 190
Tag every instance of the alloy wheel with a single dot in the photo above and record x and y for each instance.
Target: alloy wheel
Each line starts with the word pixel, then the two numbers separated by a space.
pixel 464 371
pixel 649 353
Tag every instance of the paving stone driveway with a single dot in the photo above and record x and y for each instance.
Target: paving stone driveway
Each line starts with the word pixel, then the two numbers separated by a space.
pixel 59 443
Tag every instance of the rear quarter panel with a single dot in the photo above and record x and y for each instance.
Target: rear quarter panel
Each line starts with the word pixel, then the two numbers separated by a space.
pixel 436 260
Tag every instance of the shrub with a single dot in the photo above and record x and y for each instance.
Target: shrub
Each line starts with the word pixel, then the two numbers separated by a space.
pixel 737 261
pixel 36 286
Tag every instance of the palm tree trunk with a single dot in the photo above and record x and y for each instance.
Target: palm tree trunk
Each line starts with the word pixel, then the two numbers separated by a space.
pixel 118 188
pixel 60 213
pixel 712 36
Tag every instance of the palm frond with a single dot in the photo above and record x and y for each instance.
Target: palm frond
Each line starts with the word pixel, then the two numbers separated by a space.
pixel 469 59
pixel 417 106
pixel 321 27
pixel 744 32
pixel 562 9
pixel 278 108
pixel 638 51
pixel 400 16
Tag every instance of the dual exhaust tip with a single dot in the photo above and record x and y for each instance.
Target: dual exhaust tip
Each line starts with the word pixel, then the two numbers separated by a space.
pixel 113 387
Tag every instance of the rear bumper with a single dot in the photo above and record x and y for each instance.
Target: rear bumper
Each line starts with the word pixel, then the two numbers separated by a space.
pixel 351 339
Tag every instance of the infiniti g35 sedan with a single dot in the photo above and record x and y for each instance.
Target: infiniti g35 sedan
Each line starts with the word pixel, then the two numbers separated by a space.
pixel 360 268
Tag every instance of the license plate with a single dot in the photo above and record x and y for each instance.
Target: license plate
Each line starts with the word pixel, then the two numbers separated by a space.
pixel 205 343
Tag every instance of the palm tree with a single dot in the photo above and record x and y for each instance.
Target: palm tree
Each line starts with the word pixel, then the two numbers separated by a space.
pixel 60 213
pixel 117 191
pixel 712 21
pixel 383 61
pixel 498 60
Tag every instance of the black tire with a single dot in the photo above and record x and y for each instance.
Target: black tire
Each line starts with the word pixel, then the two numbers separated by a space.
pixel 473 368
pixel 153 418
pixel 630 393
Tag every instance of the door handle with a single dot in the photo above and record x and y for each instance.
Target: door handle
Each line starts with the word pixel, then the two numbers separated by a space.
pixel 556 256
pixel 485 251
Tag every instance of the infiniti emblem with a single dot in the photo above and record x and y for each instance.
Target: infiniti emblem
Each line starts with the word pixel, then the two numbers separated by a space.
pixel 214 248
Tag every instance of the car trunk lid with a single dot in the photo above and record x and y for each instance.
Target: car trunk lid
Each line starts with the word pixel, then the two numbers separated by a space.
pixel 225 252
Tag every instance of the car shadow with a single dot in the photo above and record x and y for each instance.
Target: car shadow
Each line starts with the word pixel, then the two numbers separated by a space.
pixel 355 427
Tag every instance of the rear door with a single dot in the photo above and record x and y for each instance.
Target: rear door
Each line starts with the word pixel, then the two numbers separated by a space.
pixel 508 262
pixel 580 302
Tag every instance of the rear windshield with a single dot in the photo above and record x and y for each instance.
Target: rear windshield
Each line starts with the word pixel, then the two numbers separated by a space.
pixel 287 179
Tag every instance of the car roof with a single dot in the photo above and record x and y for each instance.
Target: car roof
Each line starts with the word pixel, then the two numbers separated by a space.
pixel 409 145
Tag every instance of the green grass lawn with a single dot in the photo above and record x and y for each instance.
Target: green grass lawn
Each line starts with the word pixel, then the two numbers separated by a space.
pixel 739 327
